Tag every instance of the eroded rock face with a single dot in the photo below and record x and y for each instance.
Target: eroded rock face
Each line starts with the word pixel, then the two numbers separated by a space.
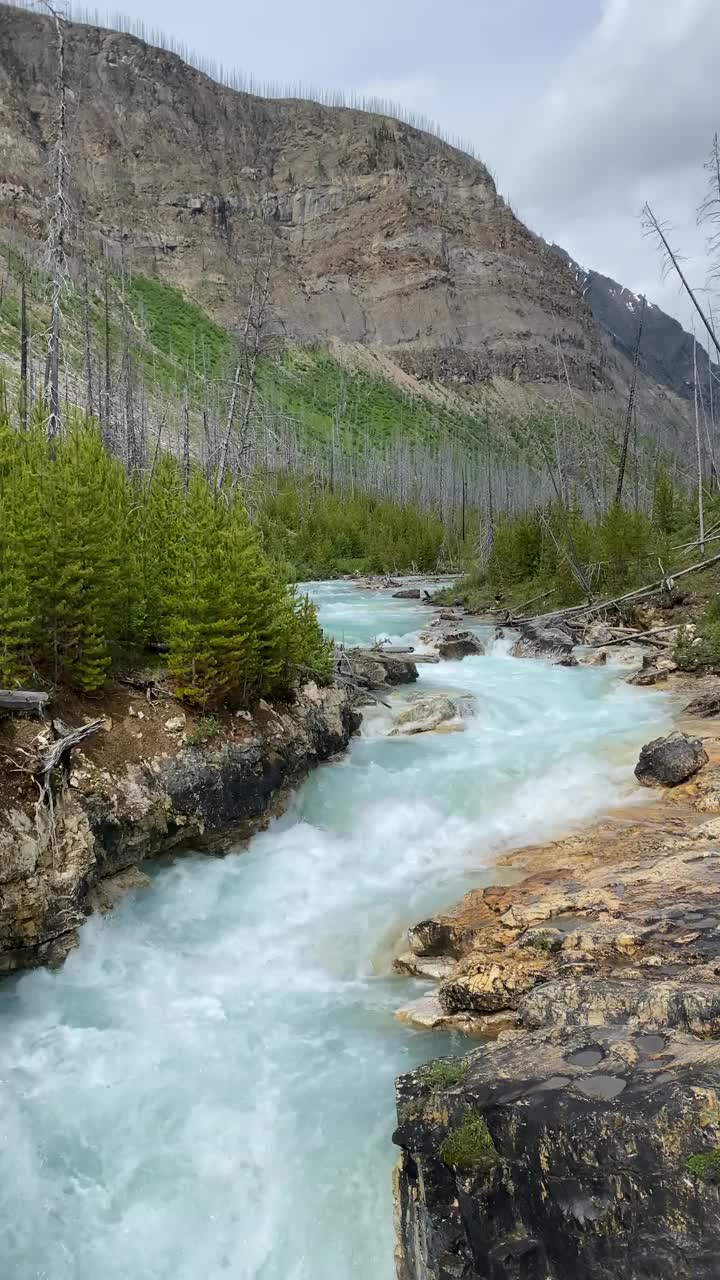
pixel 204 797
pixel 561 1155
pixel 669 761
pixel 597 972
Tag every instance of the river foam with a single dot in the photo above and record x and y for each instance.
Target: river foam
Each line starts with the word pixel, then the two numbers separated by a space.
pixel 205 1090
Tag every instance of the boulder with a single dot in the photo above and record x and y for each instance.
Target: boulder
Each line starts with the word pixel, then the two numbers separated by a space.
pixel 706 706
pixel 423 714
pixel 669 761
pixel 538 641
pixel 588 1153
pixel 372 668
pixel 427 1014
pixel 454 645
pixel 408 593
pixel 489 984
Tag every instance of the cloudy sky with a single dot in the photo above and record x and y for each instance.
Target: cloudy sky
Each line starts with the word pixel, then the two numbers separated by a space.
pixel 583 109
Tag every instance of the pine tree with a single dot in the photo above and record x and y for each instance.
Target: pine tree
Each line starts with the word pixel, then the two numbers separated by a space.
pixel 15 615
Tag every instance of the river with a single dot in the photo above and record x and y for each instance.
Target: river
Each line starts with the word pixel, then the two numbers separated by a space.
pixel 205 1090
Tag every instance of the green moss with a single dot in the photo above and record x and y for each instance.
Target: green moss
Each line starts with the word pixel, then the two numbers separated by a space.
pixel 470 1146
pixel 705 1165
pixel 411 1110
pixel 443 1074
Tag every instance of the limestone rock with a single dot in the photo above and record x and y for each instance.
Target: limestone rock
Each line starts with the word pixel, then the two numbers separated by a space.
pixel 423 714
pixel 669 761
pixel 640 1004
pixel 427 1014
pixel 490 984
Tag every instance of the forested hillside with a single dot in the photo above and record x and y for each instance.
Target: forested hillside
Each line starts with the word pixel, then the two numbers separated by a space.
pixel 292 341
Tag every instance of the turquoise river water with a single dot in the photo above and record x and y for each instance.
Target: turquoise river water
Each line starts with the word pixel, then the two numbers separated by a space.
pixel 205 1090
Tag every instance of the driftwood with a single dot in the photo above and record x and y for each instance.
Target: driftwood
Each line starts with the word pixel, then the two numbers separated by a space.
pixel 59 753
pixel 629 595
pixel 23 700
pixel 627 636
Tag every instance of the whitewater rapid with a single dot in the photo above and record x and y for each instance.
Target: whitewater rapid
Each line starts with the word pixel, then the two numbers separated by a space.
pixel 205 1090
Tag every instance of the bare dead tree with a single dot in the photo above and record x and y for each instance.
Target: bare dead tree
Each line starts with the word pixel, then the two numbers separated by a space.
pixel 57 227
pixel 659 232
pixel 701 513
pixel 631 406
pixel 24 350
pixel 89 395
pixel 245 378
pixel 709 212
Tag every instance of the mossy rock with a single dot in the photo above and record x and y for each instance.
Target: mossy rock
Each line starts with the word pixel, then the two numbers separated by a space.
pixel 443 1074
pixel 470 1147
pixel 705 1165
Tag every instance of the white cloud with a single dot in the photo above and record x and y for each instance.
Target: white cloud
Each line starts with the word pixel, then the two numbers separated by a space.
pixel 627 117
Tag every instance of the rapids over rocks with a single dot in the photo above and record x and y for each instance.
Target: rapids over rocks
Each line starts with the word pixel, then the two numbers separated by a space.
pixel 205 1089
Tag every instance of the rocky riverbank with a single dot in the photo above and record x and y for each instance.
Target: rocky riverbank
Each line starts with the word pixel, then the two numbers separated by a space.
pixel 153 780
pixel 584 1138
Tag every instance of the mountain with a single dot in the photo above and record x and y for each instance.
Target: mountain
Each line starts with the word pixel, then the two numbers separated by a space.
pixel 666 352
pixel 380 236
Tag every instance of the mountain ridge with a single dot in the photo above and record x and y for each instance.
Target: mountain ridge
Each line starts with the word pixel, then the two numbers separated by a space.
pixel 381 235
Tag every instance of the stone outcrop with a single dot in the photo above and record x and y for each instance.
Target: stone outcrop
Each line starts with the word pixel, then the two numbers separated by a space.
pixel 669 761
pixel 586 1139
pixel 591 1153
pixel 111 818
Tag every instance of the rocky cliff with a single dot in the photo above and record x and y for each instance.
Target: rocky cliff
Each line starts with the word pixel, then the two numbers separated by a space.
pixel 144 787
pixel 381 235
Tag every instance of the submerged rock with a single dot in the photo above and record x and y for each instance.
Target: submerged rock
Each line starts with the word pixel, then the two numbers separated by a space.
pixel 569 1154
pixel 669 761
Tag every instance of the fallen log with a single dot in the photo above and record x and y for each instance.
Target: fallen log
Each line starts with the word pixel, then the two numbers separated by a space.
pixel 23 700
pixel 627 636
pixel 629 595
